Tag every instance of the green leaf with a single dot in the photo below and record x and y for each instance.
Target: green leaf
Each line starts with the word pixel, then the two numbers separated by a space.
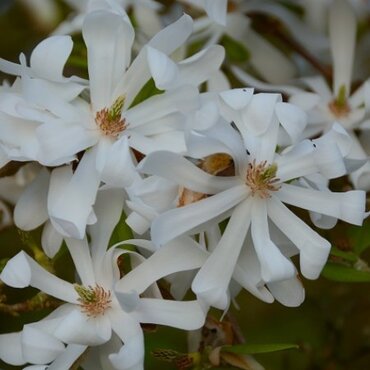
pixel 359 237
pixel 148 90
pixel 348 256
pixel 235 50
pixel 345 274
pixel 251 349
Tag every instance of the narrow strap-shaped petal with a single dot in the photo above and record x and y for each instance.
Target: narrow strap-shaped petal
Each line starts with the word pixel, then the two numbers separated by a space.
pixel 31 208
pixel 342 31
pixel 131 355
pixel 274 265
pixel 70 212
pixel 314 249
pixel 247 272
pixel 109 39
pixel 108 209
pixel 179 255
pixel 182 99
pixel 292 118
pixel 51 240
pixel 348 206
pixel 309 157
pixel 174 167
pixel 68 357
pixel 80 253
pixel 166 41
pixel 183 315
pixel 22 271
pixel 183 220
pixel 212 281
pixel 289 292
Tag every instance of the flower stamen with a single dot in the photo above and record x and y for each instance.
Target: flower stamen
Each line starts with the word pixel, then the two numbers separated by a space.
pixel 261 178
pixel 93 301
pixel 109 120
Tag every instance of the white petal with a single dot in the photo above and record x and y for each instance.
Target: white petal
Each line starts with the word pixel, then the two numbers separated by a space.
pixel 288 292
pixel 348 206
pixel 260 114
pixel 174 167
pixel 71 210
pixel 22 271
pixel 314 249
pixel 237 99
pixel 67 358
pixel 200 66
pixel 131 355
pixel 11 349
pixel 50 56
pixel 60 140
pixel 212 281
pixel 164 71
pixel 183 315
pixel 179 100
pixel 216 10
pixel 108 39
pixel 51 240
pixel 274 265
pixel 292 118
pixel 108 209
pixel 39 347
pixel 179 255
pixel 247 272
pixel 31 209
pixel 182 220
pixel 78 328
pixel 342 30
pixel 119 170
pixel 319 86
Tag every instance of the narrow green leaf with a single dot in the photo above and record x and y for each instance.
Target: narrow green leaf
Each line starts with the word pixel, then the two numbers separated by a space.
pixel 251 349
pixel 348 256
pixel 336 272
pixel 360 237
pixel 235 50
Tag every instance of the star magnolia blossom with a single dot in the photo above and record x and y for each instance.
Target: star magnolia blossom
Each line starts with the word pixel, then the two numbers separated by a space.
pixel 263 182
pixel 109 126
pixel 323 105
pixel 93 315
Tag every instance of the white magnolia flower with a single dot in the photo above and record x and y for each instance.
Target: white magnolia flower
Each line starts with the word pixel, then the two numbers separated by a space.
pixel 110 126
pixel 323 105
pixel 93 314
pixel 263 182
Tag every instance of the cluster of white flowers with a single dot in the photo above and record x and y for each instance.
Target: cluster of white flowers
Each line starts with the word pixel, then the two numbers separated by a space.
pixel 205 173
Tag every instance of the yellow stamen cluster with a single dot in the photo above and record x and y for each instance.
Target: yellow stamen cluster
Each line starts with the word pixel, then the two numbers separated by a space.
pixel 261 178
pixel 110 121
pixel 93 301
